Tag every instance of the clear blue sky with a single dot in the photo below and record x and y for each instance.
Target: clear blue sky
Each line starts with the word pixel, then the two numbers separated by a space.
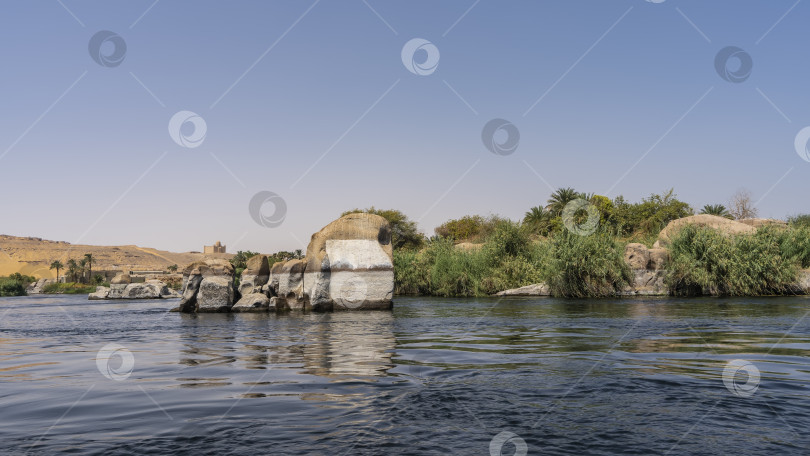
pixel 314 104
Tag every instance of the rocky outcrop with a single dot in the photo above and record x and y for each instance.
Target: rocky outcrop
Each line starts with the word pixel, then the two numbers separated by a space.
pixel 647 282
pixel 803 282
pixel 648 270
pixel 99 294
pixel 151 289
pixel 658 258
pixel 760 222
pixel 721 224
pixel 255 275
pixel 148 290
pixel 208 287
pixel 349 265
pixel 254 302
pixel 275 274
pixel 118 284
pixel 38 286
pixel 637 256
pixel 216 294
pixel 291 284
pixel 538 289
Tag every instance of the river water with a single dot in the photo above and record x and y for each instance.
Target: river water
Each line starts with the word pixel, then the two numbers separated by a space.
pixel 434 376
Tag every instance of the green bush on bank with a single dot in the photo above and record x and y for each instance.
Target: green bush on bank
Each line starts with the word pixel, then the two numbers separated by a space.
pixel 572 265
pixel 586 266
pixel 11 287
pixel 68 288
pixel 767 262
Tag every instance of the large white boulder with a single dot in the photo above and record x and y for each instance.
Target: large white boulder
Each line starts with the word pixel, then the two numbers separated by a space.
pixel 350 265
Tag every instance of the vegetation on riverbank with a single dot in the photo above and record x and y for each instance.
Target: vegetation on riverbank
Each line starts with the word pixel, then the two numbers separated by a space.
pixel 15 284
pixel 571 265
pixel 68 288
pixel 478 256
pixel 767 262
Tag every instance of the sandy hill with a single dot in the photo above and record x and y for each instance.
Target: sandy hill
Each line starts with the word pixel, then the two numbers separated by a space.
pixel 33 256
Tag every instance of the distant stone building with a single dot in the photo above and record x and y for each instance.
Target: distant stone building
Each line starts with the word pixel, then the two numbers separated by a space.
pixel 216 248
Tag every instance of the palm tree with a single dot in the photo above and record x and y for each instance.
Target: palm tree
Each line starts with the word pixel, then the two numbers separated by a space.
pixel 299 254
pixel 539 219
pixel 57 265
pixel 561 197
pixel 83 266
pixel 716 209
pixel 72 266
pixel 88 257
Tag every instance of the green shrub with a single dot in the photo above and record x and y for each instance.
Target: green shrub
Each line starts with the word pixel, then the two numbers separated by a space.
pixel 703 261
pixel 585 266
pixel 799 221
pixel 469 228
pixel 11 287
pixel 68 288
pixel 795 244
pixel 410 273
pixel 508 239
pixel 513 272
pixel 455 272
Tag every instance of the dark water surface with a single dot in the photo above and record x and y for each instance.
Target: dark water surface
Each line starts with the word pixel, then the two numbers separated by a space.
pixel 435 376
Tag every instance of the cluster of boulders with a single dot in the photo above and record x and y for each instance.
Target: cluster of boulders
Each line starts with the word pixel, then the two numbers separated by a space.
pixel 648 270
pixel 38 287
pixel 122 287
pixel 348 266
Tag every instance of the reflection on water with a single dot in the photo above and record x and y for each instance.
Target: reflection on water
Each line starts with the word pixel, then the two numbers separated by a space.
pixel 435 376
pixel 334 346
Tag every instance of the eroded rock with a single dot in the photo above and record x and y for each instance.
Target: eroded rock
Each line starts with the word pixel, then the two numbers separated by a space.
pixel 349 265
pixel 253 302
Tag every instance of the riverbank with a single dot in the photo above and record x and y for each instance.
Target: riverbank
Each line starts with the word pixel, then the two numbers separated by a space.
pixel 694 256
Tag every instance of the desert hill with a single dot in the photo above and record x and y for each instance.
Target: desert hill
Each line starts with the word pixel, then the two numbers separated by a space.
pixel 33 256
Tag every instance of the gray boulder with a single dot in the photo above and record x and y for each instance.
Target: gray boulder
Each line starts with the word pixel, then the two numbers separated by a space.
pixel 117 290
pixel 143 291
pixel 216 294
pixel 291 284
pixel 99 294
pixel 38 286
pixel 647 283
pixel 255 275
pixel 538 289
pixel 254 302
pixel 637 256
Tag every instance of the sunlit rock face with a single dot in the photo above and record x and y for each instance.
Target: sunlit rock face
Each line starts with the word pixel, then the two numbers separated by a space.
pixel 349 265
pixel 255 275
pixel 208 287
pixel 290 288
